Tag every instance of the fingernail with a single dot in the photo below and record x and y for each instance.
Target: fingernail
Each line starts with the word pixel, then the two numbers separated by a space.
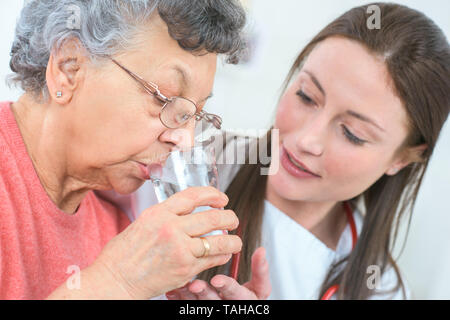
pixel 198 292
pixel 218 284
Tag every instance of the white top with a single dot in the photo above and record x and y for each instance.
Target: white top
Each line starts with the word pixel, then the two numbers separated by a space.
pixel 299 262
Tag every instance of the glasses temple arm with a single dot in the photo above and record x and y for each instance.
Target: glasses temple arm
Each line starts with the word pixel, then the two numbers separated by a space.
pixel 210 117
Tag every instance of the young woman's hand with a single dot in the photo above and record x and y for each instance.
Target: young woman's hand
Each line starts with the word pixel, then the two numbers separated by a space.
pixel 224 287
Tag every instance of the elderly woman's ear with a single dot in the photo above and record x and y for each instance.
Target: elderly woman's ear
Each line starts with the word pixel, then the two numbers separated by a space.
pixel 66 70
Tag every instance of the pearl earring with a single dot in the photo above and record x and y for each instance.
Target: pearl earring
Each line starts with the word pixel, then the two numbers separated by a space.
pixel 58 94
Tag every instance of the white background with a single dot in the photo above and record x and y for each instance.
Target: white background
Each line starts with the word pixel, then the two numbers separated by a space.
pixel 246 97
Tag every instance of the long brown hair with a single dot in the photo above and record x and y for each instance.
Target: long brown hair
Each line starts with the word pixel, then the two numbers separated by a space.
pixel 417 56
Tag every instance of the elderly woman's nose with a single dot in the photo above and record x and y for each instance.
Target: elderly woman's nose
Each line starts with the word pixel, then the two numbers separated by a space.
pixel 180 137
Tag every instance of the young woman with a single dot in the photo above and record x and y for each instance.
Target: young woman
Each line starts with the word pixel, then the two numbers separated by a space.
pixel 358 121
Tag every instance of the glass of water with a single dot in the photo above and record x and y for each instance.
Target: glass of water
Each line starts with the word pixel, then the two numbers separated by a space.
pixel 183 169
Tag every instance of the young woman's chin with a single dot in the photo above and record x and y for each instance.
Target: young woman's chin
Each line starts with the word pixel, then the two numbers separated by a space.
pixel 291 188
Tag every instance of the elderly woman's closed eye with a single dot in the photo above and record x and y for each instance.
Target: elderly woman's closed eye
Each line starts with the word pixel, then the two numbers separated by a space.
pixel 102 100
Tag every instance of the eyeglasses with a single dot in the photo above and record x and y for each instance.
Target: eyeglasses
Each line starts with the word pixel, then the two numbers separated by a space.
pixel 176 111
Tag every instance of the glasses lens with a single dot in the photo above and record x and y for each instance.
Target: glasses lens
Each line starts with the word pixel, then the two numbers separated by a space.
pixel 177 112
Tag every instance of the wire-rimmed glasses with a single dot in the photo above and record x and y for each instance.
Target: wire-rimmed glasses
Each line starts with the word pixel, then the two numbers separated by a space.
pixel 176 111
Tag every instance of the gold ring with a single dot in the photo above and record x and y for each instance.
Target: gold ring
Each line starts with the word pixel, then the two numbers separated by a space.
pixel 206 246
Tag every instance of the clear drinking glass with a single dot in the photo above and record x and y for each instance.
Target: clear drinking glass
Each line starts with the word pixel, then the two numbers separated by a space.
pixel 183 169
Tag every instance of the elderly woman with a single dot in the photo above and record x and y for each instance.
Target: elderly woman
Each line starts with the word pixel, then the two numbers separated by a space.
pixel 89 121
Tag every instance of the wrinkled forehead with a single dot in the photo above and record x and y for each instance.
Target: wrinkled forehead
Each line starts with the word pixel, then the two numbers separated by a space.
pixel 161 58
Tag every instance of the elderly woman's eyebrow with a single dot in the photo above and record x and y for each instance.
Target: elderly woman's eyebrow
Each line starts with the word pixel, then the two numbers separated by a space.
pixel 208 97
pixel 184 76
pixel 186 79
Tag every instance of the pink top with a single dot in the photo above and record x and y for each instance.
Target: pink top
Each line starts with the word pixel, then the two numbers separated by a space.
pixel 40 245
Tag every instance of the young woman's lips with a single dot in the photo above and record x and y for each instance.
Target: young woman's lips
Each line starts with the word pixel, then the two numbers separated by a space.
pixel 292 168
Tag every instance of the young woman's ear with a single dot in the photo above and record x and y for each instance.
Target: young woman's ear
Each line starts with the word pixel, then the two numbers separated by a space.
pixel 64 70
pixel 415 154
pixel 411 155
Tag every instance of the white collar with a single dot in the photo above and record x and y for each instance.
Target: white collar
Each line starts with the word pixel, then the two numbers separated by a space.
pixel 298 260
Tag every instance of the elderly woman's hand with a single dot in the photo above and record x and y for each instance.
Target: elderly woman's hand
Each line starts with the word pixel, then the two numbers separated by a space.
pixel 223 287
pixel 161 250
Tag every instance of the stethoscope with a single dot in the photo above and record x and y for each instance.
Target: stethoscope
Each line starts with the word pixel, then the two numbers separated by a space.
pixel 332 290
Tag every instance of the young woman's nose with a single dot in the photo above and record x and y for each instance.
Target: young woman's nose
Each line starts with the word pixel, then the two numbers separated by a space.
pixel 310 138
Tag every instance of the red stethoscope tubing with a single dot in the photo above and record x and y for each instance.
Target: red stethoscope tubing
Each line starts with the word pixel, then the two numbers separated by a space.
pixel 332 290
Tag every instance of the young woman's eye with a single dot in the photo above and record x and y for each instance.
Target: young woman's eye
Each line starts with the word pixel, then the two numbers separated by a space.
pixel 307 100
pixel 351 137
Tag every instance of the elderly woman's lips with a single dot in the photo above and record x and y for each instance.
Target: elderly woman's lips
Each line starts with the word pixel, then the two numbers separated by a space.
pixel 155 170
pixel 144 170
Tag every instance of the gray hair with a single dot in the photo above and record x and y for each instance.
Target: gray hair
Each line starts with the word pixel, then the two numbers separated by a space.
pixel 105 27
